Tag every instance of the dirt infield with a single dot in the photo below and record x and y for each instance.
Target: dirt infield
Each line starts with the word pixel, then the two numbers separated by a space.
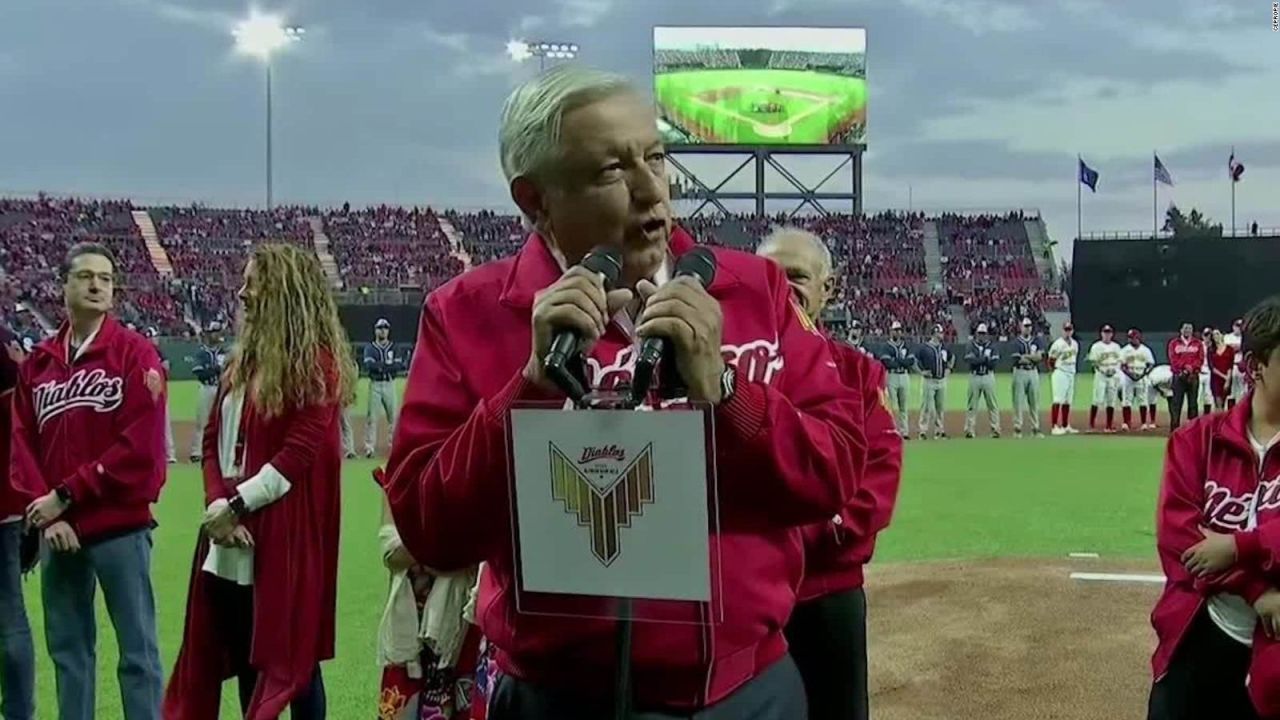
pixel 953 423
pixel 1008 639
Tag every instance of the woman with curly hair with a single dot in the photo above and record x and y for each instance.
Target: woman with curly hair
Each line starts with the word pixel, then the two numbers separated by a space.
pixel 264 580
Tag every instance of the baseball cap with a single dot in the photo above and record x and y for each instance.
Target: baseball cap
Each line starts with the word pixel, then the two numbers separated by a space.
pixel 1026 322
pixel 382 323
pixel 1066 325
pixel 855 324
pixel 937 329
pixel 1135 333
pixel 895 325
pixel 1238 322
pixel 982 327
pixel 1108 328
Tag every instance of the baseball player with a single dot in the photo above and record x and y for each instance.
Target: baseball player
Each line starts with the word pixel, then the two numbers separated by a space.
pixel 1159 384
pixel 207 367
pixel 169 449
pixel 1104 355
pixel 1063 354
pixel 982 359
pixel 935 363
pixel 855 337
pixel 381 364
pixel 348 437
pixel 1136 362
pixel 1027 353
pixel 1206 374
pixel 898 361
pixel 1238 384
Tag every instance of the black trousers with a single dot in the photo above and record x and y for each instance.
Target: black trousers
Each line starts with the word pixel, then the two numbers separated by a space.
pixel 1186 389
pixel 775 694
pixel 1206 678
pixel 235 616
pixel 828 639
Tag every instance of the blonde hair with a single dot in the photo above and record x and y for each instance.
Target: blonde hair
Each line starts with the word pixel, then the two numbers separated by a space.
pixel 292 350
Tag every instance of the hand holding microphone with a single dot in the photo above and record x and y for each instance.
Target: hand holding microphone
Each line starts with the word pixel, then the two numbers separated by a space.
pixel 682 314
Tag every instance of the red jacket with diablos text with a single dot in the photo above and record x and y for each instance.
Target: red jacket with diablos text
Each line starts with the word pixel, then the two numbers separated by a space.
pixel 790 452
pixel 837 550
pixel 1211 477
pixel 94 424
pixel 1186 355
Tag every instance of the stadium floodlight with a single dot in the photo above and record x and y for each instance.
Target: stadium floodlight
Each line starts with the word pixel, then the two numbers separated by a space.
pixel 261 35
pixel 520 50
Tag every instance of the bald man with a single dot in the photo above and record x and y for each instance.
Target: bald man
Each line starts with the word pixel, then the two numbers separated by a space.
pixel 828 629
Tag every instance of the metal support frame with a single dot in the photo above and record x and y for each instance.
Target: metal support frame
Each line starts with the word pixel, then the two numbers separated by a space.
pixel 772 156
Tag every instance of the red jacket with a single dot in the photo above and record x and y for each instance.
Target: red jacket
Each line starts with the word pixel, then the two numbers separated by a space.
pixel 295 566
pixel 94 425
pixel 836 551
pixel 1186 357
pixel 1210 477
pixel 11 503
pixel 790 452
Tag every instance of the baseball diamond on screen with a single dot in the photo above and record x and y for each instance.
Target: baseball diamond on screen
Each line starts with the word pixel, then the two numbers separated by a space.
pixel 760 86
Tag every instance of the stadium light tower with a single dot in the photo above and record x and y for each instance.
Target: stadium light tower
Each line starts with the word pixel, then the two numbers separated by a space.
pixel 260 36
pixel 519 50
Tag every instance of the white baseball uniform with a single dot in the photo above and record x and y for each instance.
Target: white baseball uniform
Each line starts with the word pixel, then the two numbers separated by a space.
pixel 1105 358
pixel 1206 389
pixel 1063 353
pixel 1135 361
pixel 1238 385
pixel 1159 383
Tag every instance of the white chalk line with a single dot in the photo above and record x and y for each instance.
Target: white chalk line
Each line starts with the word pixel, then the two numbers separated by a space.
pixel 1118 577
pixel 1083 555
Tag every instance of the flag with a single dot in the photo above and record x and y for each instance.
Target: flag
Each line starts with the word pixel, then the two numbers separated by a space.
pixel 1235 167
pixel 1089 176
pixel 1162 174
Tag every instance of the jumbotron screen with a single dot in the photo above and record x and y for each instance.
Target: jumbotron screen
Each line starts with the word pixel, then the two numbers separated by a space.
pixel 761 85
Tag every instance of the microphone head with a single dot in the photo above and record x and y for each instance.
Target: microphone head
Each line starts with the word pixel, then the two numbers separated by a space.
pixel 700 263
pixel 607 261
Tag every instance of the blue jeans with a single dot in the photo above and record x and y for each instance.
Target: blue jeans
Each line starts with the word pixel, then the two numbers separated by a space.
pixel 17 654
pixel 122 565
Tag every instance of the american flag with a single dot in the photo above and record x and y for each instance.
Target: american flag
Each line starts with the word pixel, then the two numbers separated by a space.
pixel 1162 174
pixel 1235 167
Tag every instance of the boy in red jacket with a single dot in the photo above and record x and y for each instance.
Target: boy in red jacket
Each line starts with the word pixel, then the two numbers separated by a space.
pixel 1219 499
pixel 17 654
pixel 88 455
pixel 828 630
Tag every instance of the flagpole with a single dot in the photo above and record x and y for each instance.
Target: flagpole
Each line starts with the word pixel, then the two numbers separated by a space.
pixel 1155 231
pixel 1231 178
pixel 1079 192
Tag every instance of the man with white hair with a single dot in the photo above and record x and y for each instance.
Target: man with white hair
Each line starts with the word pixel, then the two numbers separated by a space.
pixel 585 164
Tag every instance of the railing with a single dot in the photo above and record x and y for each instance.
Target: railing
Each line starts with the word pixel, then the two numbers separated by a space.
pixel 1268 232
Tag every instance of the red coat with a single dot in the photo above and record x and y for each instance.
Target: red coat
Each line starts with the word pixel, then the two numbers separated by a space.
pixel 837 550
pixel 1210 477
pixel 790 452
pixel 95 426
pixel 11 503
pixel 295 566
pixel 1221 363
pixel 1186 357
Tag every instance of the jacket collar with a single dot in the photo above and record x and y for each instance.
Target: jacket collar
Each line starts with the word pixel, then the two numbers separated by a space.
pixel 57 346
pixel 1234 425
pixel 536 267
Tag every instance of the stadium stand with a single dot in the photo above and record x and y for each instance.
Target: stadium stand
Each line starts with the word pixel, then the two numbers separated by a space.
pixel 390 247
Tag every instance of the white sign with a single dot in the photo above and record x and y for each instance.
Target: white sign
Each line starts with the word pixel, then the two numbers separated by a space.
pixel 612 503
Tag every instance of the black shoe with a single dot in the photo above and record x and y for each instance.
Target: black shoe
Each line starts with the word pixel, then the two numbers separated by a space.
pixel 351 456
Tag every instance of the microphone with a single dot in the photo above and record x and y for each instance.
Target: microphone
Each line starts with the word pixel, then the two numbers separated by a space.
pixel 606 261
pixel 700 264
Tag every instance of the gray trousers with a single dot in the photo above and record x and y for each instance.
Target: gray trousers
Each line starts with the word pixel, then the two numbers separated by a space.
pixel 1026 398
pixel 383 401
pixel 933 402
pixel 899 385
pixel 122 566
pixel 348 437
pixel 17 651
pixel 982 387
pixel 204 405
pixel 775 694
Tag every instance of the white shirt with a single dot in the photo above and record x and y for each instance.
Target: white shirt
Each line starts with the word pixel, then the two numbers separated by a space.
pixel 1136 359
pixel 1105 357
pixel 1064 352
pixel 1232 613
pixel 1161 378
pixel 1232 339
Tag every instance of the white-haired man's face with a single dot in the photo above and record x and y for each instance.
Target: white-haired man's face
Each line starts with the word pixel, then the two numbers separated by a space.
pixel 801 260
pixel 608 186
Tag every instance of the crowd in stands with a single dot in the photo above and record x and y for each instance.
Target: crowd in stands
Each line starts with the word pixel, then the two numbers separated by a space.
pixel 709 58
pixel 878 260
pixel 390 247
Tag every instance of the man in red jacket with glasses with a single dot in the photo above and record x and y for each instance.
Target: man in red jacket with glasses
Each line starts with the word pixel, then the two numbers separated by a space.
pixel 586 167
pixel 828 630
pixel 1186 357
pixel 89 457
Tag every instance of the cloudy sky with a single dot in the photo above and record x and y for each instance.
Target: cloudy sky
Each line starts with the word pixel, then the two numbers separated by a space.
pixel 973 103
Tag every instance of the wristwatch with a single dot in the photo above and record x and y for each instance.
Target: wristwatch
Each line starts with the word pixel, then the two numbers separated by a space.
pixel 238 508
pixel 63 493
pixel 728 383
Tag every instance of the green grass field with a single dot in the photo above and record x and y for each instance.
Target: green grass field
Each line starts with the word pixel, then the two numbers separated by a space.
pixel 730 104
pixel 959 499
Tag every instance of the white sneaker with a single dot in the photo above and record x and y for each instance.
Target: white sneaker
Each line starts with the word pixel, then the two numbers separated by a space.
pixel 1058 431
pixel 1072 431
pixel 1016 434
pixel 1124 427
